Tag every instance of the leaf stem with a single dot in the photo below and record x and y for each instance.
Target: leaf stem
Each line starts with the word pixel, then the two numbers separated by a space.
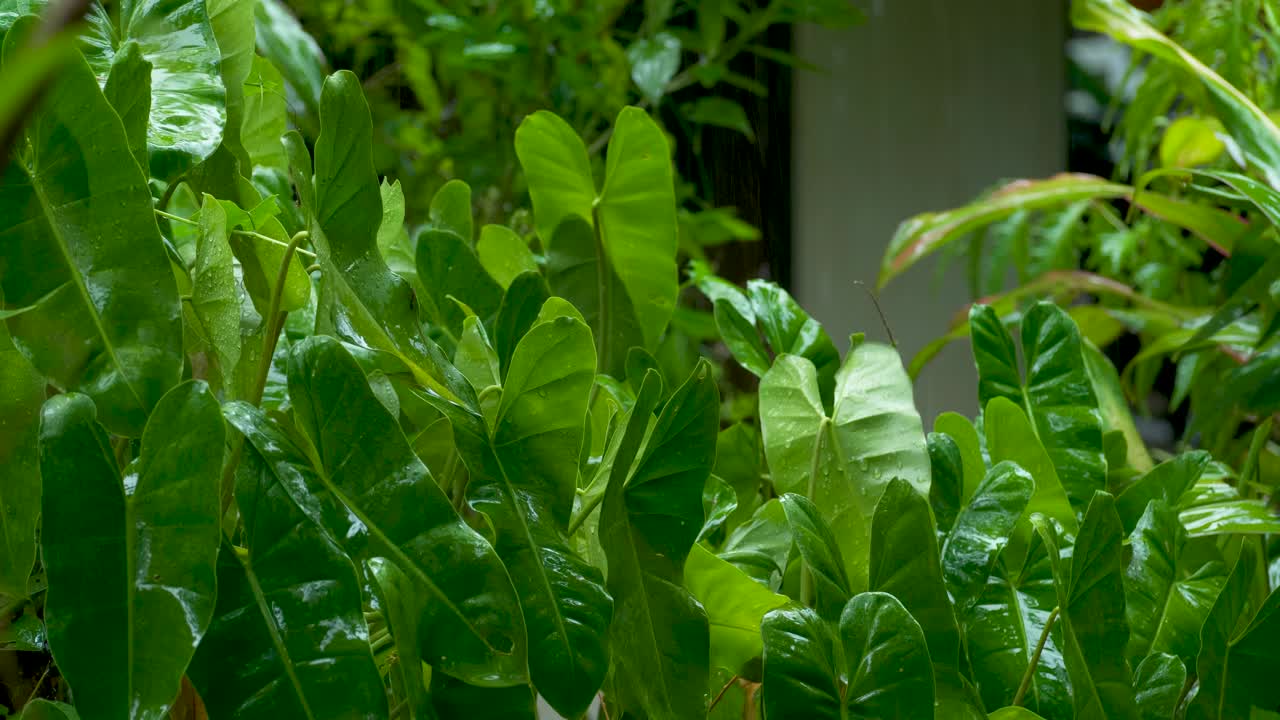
pixel 585 512
pixel 720 694
pixel 175 218
pixel 1035 658
pixel 273 241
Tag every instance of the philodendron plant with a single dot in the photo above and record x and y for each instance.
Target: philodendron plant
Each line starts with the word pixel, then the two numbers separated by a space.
pixel 269 453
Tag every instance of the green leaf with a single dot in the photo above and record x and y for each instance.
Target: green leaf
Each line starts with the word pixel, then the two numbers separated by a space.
pixel 1190 141
pixel 741 337
pixel 905 564
pixel 761 546
pixel 1225 686
pixel 504 254
pixel 291 49
pixel 288 637
pixel 367 303
pixel 520 306
pixel 1114 407
pixel 1092 601
pixel 1011 437
pixel 188 98
pixel 22 392
pixel 402 607
pixel 735 605
pixel 1055 391
pixel 961 430
pixel 738 460
pixel 448 268
pixel 649 520
pixel 233 27
pixel 472 628
pixel 1014 713
pixel 451 210
pixel 523 469
pixel 1167 482
pixel 1158 682
pixel 844 461
pixel 721 112
pixel 821 554
pixel 791 330
pixel 476 358
pixel 41 709
pixel 981 532
pixel 1167 596
pixel 927 233
pixel 215 296
pixel 881 655
pixel 1252 134
pixel 130 564
pixel 128 89
pixel 117 334
pixel 946 486
pixel 622 276
pixel 265 122
pixel 654 61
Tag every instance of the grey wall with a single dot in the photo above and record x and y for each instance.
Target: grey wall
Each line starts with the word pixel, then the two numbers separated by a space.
pixel 920 108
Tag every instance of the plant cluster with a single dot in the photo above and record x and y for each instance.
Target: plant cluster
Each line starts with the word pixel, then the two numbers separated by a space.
pixel 1180 250
pixel 269 453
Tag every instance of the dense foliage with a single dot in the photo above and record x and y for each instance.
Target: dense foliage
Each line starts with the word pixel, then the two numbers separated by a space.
pixel 1178 251
pixel 269 452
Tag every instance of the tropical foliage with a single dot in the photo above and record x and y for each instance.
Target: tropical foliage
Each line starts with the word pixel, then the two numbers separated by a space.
pixel 269 453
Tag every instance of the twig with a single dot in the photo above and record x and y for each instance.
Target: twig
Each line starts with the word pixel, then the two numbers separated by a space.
pixel 39 682
pixel 175 218
pixel 879 311
pixel 720 694
pixel 1035 658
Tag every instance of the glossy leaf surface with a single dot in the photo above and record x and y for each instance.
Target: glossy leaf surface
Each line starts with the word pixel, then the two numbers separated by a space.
pixel 982 530
pixel 821 554
pixel 735 605
pixel 21 395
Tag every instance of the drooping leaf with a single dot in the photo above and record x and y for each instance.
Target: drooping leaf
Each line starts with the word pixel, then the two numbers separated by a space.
pixel 842 462
pixel 1158 683
pixel 188 98
pixel 649 520
pixel 616 258
pixel 1092 601
pixel 982 531
pixel 87 257
pixel 735 605
pixel 880 653
pixel 523 473
pixel 22 392
pixel 288 638
pixel 473 627
pixel 215 297
pixel 1166 598
pixel 130 563
pixel 1055 391
pixel 821 554
pixel 366 303
pixel 905 564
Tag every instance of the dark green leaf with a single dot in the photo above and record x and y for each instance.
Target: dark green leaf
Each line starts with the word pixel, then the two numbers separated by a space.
pixel 523 470
pixel 649 520
pixel 1056 391
pixel 960 429
pixel 946 488
pixel 128 89
pixel 41 709
pixel 215 297
pixel 721 112
pixel 130 564
pixel 448 268
pixel 520 307
pixel 761 546
pixel 982 531
pixel 1167 482
pixel 741 337
pixel 472 628
pixel 288 638
pixel 21 395
pixel 789 329
pixel 115 334
pixel 821 554
pixel 402 607
pixel 1158 683
pixel 738 461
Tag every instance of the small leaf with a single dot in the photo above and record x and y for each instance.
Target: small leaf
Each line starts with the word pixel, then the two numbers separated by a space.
pixel 1190 141
pixel 504 254
pixel 721 112
pixel 654 61
pixel 821 555
pixel 451 210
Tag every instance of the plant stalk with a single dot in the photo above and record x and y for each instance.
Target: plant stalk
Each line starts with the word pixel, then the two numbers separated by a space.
pixel 1035 658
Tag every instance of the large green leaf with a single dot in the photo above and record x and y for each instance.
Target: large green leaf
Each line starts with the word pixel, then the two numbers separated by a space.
pixel 1091 598
pixel 1001 631
pixel 1167 597
pixel 79 246
pixel 615 257
pixel 877 668
pixel 1237 664
pixel 523 468
pixel 905 564
pixel 824 564
pixel 735 606
pixel 649 519
pixel 21 395
pixel 188 98
pixel 1055 391
pixel 1253 136
pixel 843 462
pixel 288 639
pixel 362 300
pixel 130 564
pixel 1167 482
pixel 982 531
pixel 450 272
pixel 301 62
pixel 473 627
